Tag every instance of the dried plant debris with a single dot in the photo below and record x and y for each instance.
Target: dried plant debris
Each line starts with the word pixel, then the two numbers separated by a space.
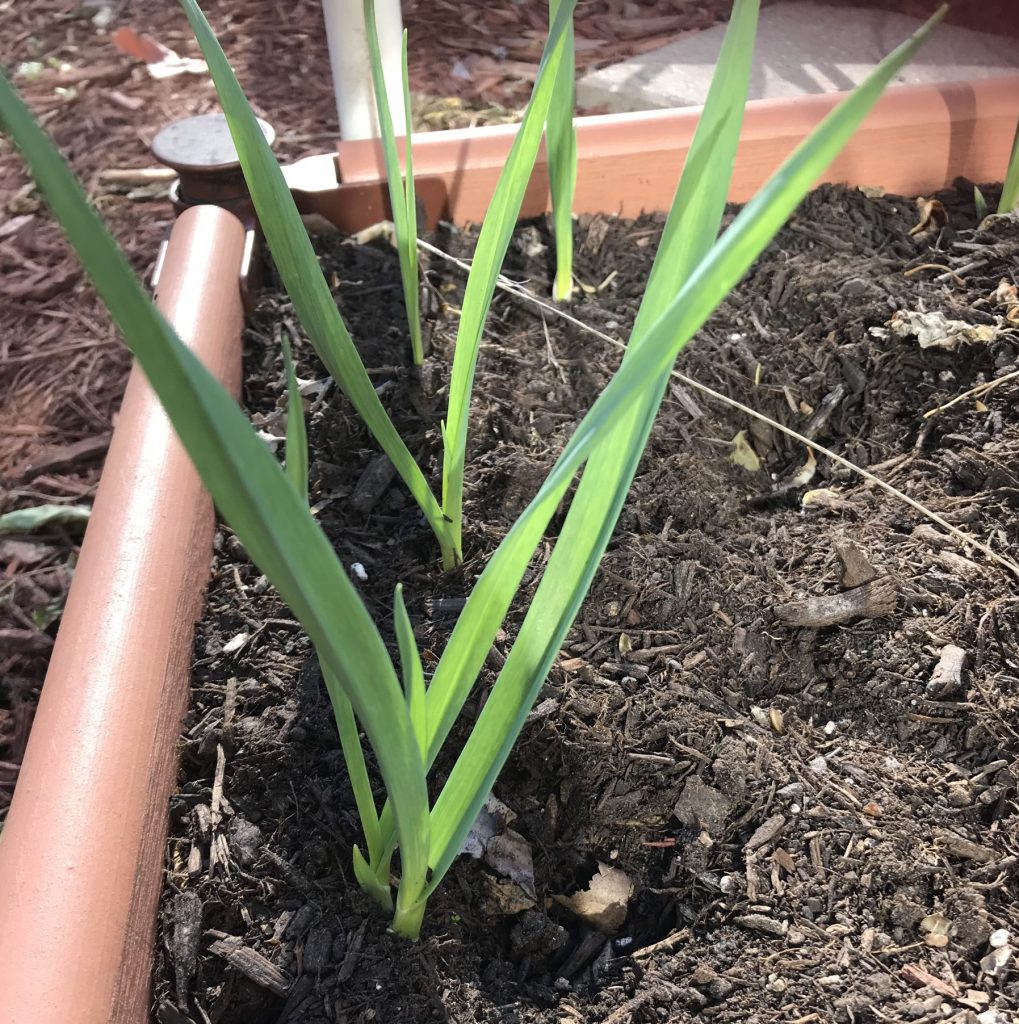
pixel 933 217
pixel 869 601
pixel 742 453
pixel 936 330
pixel 508 854
pixel 947 678
pixel 604 903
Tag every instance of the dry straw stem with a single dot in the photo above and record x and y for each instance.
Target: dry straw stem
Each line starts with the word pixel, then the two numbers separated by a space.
pixel 505 284
pixel 978 392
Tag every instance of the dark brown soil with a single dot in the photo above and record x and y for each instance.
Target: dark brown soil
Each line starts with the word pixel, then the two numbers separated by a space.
pixel 796 807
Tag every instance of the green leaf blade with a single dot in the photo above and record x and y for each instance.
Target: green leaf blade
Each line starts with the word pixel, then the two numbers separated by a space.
pixel 353 756
pixel 561 138
pixel 707 284
pixel 400 183
pixel 296 448
pixel 1010 186
pixel 493 241
pixel 413 671
pixel 252 493
pixel 295 258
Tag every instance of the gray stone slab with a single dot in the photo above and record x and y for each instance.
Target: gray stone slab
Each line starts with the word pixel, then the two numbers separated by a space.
pixel 801 48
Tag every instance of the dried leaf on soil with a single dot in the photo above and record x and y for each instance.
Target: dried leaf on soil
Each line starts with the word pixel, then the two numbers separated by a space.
pixel 743 455
pixel 24 520
pixel 935 330
pixel 604 902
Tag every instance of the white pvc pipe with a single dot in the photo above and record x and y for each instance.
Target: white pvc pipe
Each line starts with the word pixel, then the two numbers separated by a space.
pixel 348 57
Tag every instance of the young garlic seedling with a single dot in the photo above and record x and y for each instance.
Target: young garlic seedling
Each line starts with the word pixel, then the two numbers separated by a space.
pixel 406 723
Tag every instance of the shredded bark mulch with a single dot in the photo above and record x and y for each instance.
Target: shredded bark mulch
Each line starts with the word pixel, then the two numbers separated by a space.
pixel 785 716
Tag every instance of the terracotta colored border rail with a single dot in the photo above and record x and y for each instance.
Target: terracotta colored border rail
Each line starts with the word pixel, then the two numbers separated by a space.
pixel 81 857
pixel 916 139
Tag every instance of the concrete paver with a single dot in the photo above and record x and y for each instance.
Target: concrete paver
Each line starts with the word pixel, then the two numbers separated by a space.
pixel 801 48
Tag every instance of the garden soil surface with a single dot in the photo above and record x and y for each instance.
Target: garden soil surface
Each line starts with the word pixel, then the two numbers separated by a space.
pixel 783 729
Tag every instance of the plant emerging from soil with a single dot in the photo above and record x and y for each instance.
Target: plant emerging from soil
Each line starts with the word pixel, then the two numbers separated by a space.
pixel 406 721
pixel 1010 186
pixel 401 183
pixel 561 142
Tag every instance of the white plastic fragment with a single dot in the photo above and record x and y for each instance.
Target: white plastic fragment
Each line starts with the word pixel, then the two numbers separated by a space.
pixel 233 645
pixel 359 571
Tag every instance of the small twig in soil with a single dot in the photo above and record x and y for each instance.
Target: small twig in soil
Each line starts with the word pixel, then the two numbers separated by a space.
pixel 820 416
pixel 217 786
pixel 585 951
pixel 59 457
pixel 871 601
pixel 252 965
pixel 505 284
pixel 352 955
pixel 137 175
pixel 666 945
pixel 916 975
pixel 551 355
pixel 946 272
pixel 187 933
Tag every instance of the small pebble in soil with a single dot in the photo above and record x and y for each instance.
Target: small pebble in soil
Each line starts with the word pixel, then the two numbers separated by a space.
pixel 359 571
pixel 960 794
pixel 720 989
